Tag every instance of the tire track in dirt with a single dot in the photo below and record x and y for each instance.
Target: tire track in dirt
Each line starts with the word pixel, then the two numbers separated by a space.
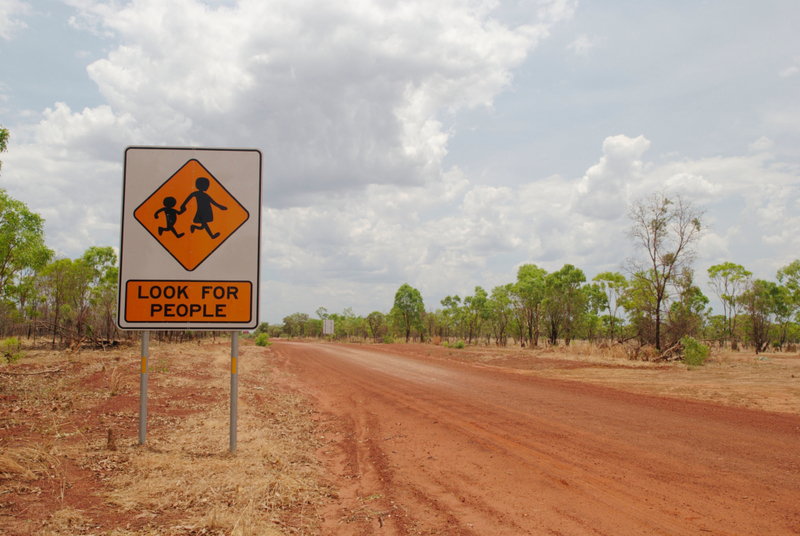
pixel 459 449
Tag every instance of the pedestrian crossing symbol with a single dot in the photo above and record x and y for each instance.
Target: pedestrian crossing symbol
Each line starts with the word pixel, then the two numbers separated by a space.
pixel 191 214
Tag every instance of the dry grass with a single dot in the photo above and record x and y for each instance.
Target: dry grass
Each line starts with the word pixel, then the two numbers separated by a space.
pixel 65 521
pixel 184 480
pixel 26 463
pixel 272 475
pixel 767 382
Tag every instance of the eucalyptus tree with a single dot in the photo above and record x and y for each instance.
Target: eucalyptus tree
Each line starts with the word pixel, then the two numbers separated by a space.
pixel 57 289
pixel 564 303
pixel 407 309
pixel 527 296
pixel 500 312
pixel 729 281
pixel 294 324
pixel 687 311
pixel 788 297
pixel 667 231
pixel 376 321
pixel 759 302
pixel 88 276
pixel 22 243
pixel 451 315
pixel 475 312
pixel 613 286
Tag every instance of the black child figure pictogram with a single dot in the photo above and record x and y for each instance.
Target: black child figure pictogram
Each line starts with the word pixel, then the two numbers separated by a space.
pixel 204 214
pixel 171 215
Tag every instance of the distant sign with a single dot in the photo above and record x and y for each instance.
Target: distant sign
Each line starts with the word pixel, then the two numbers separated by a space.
pixel 327 327
pixel 190 244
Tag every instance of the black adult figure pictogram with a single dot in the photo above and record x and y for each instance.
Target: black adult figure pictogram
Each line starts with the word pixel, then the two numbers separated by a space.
pixel 171 215
pixel 204 214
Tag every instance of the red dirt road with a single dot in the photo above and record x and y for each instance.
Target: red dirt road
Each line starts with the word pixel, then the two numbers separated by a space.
pixel 420 445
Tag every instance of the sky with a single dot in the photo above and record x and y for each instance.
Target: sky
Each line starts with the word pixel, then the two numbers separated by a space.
pixel 440 144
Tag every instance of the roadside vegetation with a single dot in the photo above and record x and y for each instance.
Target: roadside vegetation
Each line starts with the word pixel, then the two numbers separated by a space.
pixel 651 305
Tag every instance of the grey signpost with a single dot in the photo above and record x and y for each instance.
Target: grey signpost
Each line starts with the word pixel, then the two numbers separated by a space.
pixel 143 388
pixel 190 248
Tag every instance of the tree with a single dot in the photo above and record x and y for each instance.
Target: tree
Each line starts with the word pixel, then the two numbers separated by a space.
pixel 475 313
pixel 789 278
pixel 528 293
pixel 3 141
pixel 499 306
pixel 729 281
pixel 89 278
pixel 451 314
pixel 56 281
pixel 21 241
pixel 759 302
pixel 639 304
pixel 294 324
pixel 784 310
pixel 564 302
pixel 377 324
pixel 407 310
pixel 613 286
pixel 667 231
pixel 687 312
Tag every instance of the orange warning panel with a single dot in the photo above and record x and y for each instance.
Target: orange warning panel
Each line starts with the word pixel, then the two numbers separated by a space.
pixel 202 302
pixel 191 214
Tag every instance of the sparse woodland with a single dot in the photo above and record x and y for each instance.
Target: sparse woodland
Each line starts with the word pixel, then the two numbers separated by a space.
pixel 653 301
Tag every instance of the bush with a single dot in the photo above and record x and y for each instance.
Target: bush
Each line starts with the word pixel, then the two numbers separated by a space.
pixel 460 345
pixel 262 339
pixel 388 339
pixel 11 350
pixel 695 353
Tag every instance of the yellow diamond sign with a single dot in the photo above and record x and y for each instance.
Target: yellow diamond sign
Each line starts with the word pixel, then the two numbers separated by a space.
pixel 191 214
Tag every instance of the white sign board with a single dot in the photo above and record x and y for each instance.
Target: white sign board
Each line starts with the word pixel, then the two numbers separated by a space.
pixel 190 242
pixel 327 327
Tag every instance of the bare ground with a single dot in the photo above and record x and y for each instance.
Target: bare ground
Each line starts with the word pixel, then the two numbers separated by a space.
pixel 400 439
pixel 429 440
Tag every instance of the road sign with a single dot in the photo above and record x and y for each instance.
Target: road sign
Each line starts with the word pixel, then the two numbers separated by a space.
pixel 190 244
pixel 327 326
pixel 191 241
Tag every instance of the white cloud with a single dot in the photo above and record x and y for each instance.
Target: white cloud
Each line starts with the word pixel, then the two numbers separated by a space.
pixel 581 46
pixel 789 71
pixel 371 243
pixel 10 13
pixel 337 95
pixel 761 145
pixel 603 190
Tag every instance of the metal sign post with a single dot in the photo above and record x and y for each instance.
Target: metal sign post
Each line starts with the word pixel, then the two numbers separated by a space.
pixel 234 386
pixel 143 388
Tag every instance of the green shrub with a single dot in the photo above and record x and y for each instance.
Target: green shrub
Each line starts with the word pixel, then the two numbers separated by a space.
pixel 11 350
pixel 460 345
pixel 695 353
pixel 388 339
pixel 262 339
